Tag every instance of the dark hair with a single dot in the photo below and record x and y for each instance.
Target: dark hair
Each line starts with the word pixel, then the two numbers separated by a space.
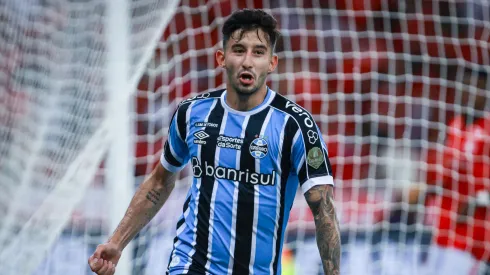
pixel 249 20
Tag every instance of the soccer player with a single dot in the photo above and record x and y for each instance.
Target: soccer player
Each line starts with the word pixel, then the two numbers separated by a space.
pixel 250 149
pixel 459 183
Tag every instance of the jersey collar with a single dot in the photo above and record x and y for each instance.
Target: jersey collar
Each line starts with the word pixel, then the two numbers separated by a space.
pixel 267 100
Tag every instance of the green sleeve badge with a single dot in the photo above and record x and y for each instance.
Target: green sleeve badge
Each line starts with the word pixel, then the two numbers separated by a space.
pixel 315 157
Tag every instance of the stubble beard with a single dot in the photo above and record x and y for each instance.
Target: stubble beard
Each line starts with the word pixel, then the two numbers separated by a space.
pixel 245 92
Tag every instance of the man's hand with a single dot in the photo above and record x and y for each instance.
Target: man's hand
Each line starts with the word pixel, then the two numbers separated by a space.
pixel 104 259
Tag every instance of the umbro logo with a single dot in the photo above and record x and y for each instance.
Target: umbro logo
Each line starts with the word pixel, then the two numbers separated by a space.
pixel 200 136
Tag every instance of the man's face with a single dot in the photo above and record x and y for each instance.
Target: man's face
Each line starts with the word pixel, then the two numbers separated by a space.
pixel 247 61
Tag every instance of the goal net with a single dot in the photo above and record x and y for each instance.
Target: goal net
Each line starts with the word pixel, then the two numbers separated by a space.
pixel 57 118
pixel 383 79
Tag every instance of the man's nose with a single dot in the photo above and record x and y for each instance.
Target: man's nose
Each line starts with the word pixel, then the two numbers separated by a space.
pixel 247 61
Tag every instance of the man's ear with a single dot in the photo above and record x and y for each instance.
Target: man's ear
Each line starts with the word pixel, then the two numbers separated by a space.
pixel 273 63
pixel 220 58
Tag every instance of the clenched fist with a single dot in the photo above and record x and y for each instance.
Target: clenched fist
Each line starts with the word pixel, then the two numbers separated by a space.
pixel 104 259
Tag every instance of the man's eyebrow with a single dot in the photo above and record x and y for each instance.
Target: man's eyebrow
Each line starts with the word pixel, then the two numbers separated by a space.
pixel 257 46
pixel 261 46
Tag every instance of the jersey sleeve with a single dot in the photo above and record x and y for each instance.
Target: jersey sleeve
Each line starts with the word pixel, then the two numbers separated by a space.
pixel 310 158
pixel 175 152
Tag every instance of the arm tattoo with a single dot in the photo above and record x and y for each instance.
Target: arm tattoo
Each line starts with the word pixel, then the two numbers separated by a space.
pixel 320 200
pixel 153 196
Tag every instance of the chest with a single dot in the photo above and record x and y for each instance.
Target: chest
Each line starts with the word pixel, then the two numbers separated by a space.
pixel 236 142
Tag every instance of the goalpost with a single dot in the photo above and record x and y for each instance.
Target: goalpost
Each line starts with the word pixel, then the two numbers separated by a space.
pixel 88 89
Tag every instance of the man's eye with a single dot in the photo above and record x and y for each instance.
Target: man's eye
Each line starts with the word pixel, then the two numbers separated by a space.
pixel 259 52
pixel 238 50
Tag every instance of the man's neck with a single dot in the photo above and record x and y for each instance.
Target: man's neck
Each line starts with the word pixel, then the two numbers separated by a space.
pixel 245 102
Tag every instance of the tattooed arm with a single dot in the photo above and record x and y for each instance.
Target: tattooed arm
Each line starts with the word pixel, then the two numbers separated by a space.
pixel 321 202
pixel 149 198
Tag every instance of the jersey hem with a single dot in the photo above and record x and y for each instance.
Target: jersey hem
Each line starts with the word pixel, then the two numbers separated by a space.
pixel 182 271
pixel 323 180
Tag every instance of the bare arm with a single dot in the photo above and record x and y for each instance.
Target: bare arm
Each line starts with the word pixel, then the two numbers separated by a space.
pixel 321 202
pixel 149 198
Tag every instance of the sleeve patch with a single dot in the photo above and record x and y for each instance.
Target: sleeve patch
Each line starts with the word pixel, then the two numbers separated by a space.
pixel 315 157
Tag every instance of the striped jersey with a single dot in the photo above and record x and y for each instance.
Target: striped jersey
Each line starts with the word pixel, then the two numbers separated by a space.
pixel 247 166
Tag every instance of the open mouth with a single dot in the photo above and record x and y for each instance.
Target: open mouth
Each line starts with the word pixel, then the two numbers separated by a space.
pixel 246 78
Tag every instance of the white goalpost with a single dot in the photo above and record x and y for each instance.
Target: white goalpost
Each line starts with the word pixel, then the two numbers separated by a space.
pixel 87 90
pixel 119 175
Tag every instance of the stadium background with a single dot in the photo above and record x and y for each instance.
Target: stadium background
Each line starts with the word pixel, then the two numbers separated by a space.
pixel 380 77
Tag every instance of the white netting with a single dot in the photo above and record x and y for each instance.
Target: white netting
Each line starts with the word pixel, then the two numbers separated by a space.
pixel 56 120
pixel 382 78
pixel 53 127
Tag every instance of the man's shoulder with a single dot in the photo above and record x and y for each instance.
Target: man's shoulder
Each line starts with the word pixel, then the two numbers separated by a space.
pixel 202 97
pixel 303 118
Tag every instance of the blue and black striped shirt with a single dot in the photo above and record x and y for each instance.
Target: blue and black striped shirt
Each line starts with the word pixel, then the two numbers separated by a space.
pixel 247 167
